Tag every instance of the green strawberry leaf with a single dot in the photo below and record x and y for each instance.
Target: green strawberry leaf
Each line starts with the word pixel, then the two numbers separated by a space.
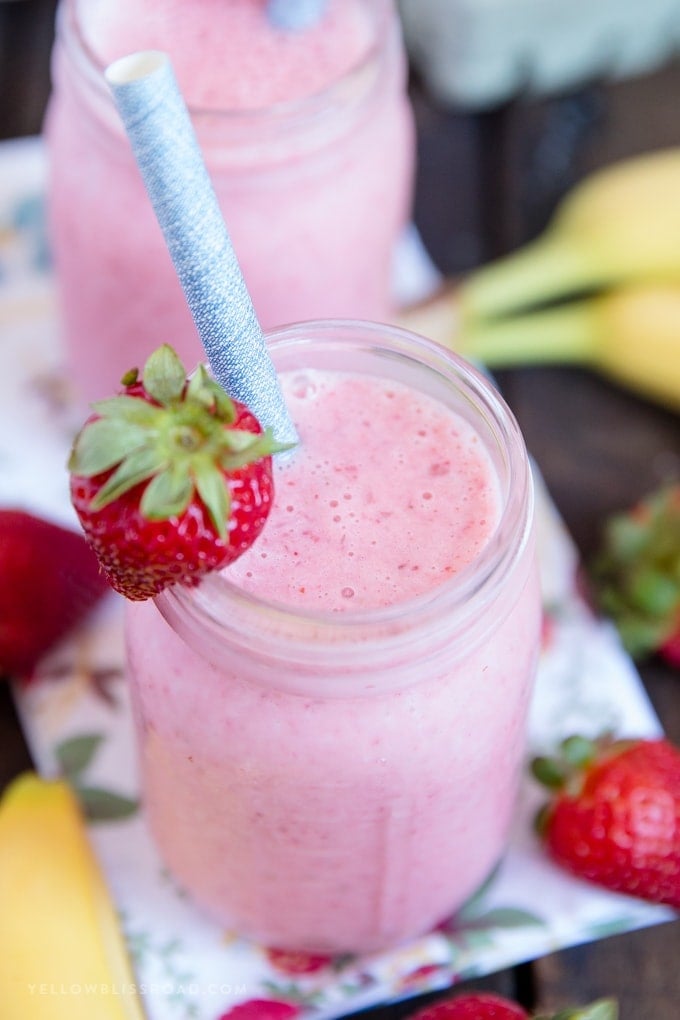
pixel 214 491
pixel 76 753
pixel 137 467
pixel 135 410
pixel 640 636
pixel 167 494
pixel 550 772
pixel 636 575
pixel 100 805
pixel 578 751
pixel 241 447
pixel 206 391
pixel 653 592
pixel 627 537
pixel 105 443
pixel 603 1009
pixel 164 376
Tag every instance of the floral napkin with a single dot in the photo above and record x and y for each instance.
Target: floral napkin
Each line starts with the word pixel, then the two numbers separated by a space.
pixel 77 720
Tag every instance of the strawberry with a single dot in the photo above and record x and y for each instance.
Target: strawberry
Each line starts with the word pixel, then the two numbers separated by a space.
pixel 170 479
pixel 263 1009
pixel 614 816
pixel 49 580
pixel 670 649
pixel 636 575
pixel 487 1006
pixel 473 1006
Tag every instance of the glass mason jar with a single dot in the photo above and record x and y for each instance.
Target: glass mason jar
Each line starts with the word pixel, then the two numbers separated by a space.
pixel 315 193
pixel 339 782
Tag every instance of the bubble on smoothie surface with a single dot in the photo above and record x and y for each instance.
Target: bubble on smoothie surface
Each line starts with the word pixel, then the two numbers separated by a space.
pixel 380 515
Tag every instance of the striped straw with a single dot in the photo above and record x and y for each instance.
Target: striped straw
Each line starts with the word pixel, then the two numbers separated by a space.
pixel 164 144
pixel 295 15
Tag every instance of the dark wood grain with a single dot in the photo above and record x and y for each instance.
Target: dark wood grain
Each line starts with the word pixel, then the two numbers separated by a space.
pixel 14 756
pixel 639 969
pixel 26 33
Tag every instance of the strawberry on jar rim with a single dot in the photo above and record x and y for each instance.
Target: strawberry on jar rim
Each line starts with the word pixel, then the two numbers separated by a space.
pixel 171 479
pixel 614 814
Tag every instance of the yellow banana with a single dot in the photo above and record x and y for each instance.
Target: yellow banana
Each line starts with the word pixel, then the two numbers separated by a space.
pixel 620 224
pixel 62 955
pixel 631 335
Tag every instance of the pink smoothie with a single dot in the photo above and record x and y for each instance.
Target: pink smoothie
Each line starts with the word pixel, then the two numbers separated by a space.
pixel 387 497
pixel 349 788
pixel 308 140
pixel 207 38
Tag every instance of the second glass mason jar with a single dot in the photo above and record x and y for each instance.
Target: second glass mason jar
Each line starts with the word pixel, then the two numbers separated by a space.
pixel 331 732
pixel 315 189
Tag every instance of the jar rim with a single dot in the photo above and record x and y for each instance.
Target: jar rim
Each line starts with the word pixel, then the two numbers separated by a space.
pixel 462 597
pixel 284 113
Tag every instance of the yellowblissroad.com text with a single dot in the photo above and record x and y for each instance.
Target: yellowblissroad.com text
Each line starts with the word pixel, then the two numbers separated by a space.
pixel 76 988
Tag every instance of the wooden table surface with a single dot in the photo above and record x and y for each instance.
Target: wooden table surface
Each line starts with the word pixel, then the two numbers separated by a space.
pixel 599 449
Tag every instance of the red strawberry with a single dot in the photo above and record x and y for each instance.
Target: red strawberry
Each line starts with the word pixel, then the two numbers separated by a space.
pixel 670 649
pixel 262 1009
pixel 637 575
pixel 171 479
pixel 474 1006
pixel 487 1006
pixel 614 817
pixel 49 579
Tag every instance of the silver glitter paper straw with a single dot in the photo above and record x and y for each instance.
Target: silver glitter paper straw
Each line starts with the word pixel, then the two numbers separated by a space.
pixel 295 15
pixel 157 122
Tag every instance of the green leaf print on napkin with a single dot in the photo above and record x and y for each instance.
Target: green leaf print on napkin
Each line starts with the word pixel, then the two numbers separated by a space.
pixel 475 925
pixel 99 804
pixel 102 805
pixel 174 977
pixel 500 917
pixel 76 753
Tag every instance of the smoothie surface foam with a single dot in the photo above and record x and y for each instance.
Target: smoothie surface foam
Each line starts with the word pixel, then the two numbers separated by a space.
pixel 389 494
pixel 262 65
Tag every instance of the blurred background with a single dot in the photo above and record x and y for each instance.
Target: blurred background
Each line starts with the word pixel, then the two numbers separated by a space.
pixel 515 100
